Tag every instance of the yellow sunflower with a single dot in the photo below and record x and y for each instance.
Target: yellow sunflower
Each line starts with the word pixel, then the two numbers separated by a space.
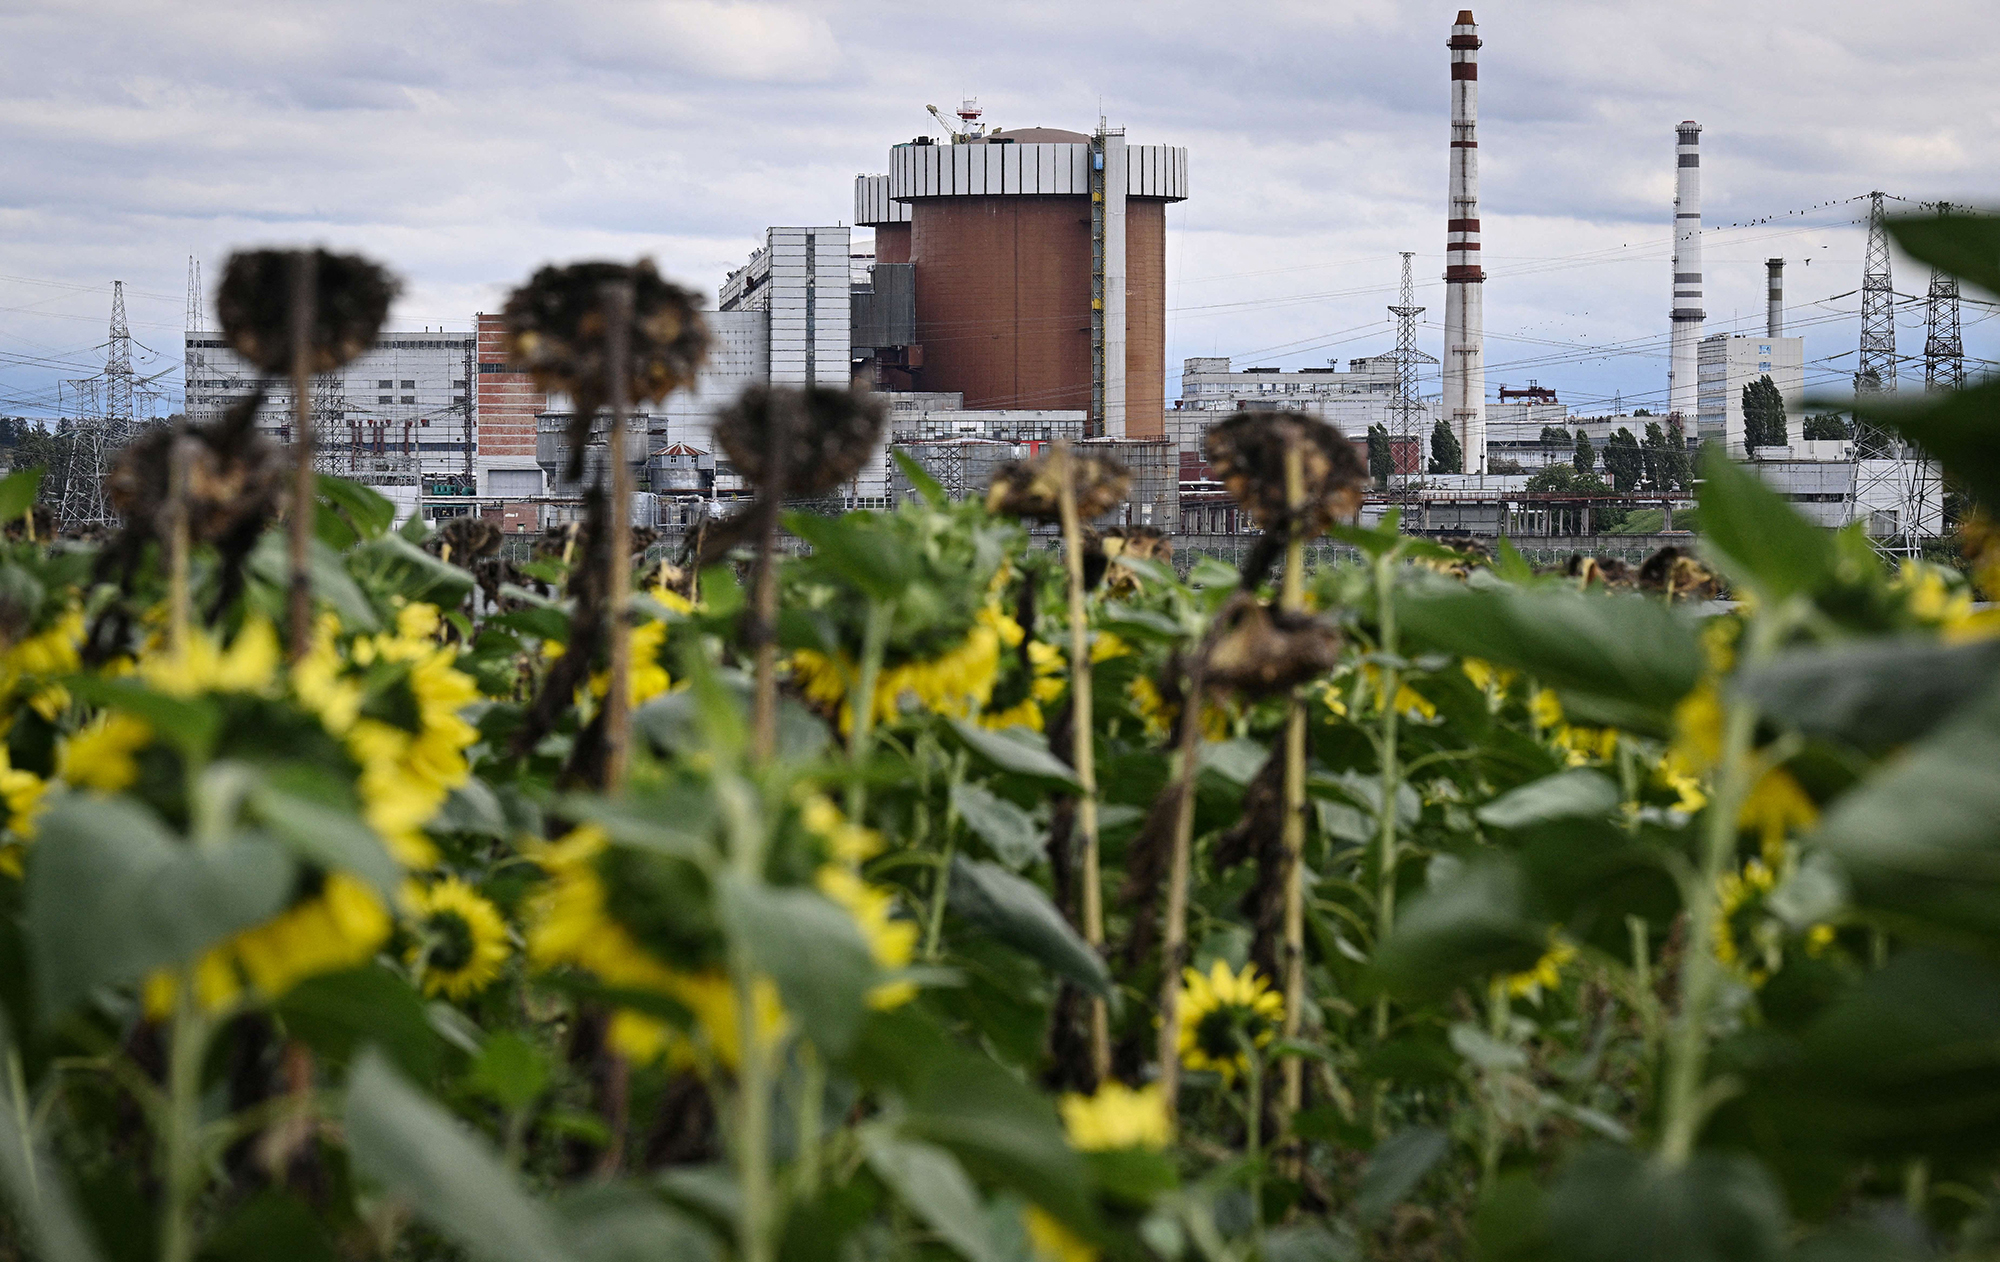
pixel 1546 973
pixel 1219 1011
pixel 54 650
pixel 21 792
pixel 1050 1241
pixel 339 924
pixel 892 941
pixel 248 664
pixel 461 938
pixel 956 682
pixel 101 756
pixel 405 774
pixel 572 924
pixel 1117 1117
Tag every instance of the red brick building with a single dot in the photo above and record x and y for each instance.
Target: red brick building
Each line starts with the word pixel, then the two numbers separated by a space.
pixel 507 403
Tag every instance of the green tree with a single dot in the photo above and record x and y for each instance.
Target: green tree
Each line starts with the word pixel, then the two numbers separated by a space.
pixel 1381 459
pixel 1622 460
pixel 1764 415
pixel 1677 462
pixel 1654 473
pixel 1826 427
pixel 1446 455
pixel 1586 455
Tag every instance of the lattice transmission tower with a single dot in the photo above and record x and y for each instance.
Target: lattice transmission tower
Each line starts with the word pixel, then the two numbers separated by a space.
pixel 1876 369
pixel 1408 408
pixel 1895 488
pixel 196 364
pixel 1944 352
pixel 92 439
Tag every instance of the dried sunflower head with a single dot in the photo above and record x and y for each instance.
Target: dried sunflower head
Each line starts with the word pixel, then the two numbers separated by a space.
pixel 1104 550
pixel 351 297
pixel 1033 488
pixel 557 325
pixel 1610 571
pixel 236 477
pixel 827 436
pixel 1260 651
pixel 1679 575
pixel 1247 452
pixel 44 522
pixel 464 541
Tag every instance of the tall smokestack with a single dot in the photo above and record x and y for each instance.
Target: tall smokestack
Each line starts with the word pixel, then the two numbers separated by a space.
pixel 1774 297
pixel 1688 314
pixel 1464 312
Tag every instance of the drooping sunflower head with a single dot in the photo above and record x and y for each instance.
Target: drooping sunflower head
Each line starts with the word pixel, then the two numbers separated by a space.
pixel 1261 651
pixel 460 938
pixel 1679 575
pixel 350 298
pixel 236 477
pixel 1221 1012
pixel 809 440
pixel 1033 488
pixel 1105 553
pixel 1247 452
pixel 558 327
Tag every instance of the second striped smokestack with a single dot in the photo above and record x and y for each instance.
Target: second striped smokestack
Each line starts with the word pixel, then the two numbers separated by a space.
pixel 1464 308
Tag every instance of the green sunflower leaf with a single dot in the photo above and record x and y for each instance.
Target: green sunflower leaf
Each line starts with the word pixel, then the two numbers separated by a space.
pixel 112 897
pixel 446 1174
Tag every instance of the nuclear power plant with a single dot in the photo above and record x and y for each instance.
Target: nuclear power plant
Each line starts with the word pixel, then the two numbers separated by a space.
pixel 1037 261
pixel 1005 286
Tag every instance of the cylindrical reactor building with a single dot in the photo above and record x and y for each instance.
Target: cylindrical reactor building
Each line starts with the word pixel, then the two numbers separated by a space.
pixel 1040 269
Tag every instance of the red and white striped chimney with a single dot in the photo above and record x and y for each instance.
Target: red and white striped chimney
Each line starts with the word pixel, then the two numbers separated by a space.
pixel 1684 352
pixel 1464 313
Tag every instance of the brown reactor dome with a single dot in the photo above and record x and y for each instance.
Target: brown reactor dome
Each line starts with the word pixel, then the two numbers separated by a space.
pixel 1038 262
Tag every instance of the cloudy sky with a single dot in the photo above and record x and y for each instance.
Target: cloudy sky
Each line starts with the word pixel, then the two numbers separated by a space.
pixel 467 142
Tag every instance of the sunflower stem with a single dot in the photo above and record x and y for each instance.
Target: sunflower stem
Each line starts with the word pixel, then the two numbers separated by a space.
pixel 181 1144
pixel 1083 755
pixel 861 701
pixel 177 542
pixel 305 499
pixel 1173 944
pixel 940 888
pixel 812 1106
pixel 1291 599
pixel 1253 1142
pixel 617 297
pixel 764 596
pixel 752 1140
pixel 1388 684
pixel 1497 1013
pixel 1701 973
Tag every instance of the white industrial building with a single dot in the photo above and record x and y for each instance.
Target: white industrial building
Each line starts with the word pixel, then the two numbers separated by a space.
pixel 398 418
pixel 1728 363
pixel 800 280
pixel 1363 395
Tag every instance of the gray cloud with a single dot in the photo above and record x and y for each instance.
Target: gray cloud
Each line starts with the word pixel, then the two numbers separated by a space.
pixel 466 143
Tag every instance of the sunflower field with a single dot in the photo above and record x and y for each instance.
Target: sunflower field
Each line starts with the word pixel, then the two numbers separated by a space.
pixel 961 882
